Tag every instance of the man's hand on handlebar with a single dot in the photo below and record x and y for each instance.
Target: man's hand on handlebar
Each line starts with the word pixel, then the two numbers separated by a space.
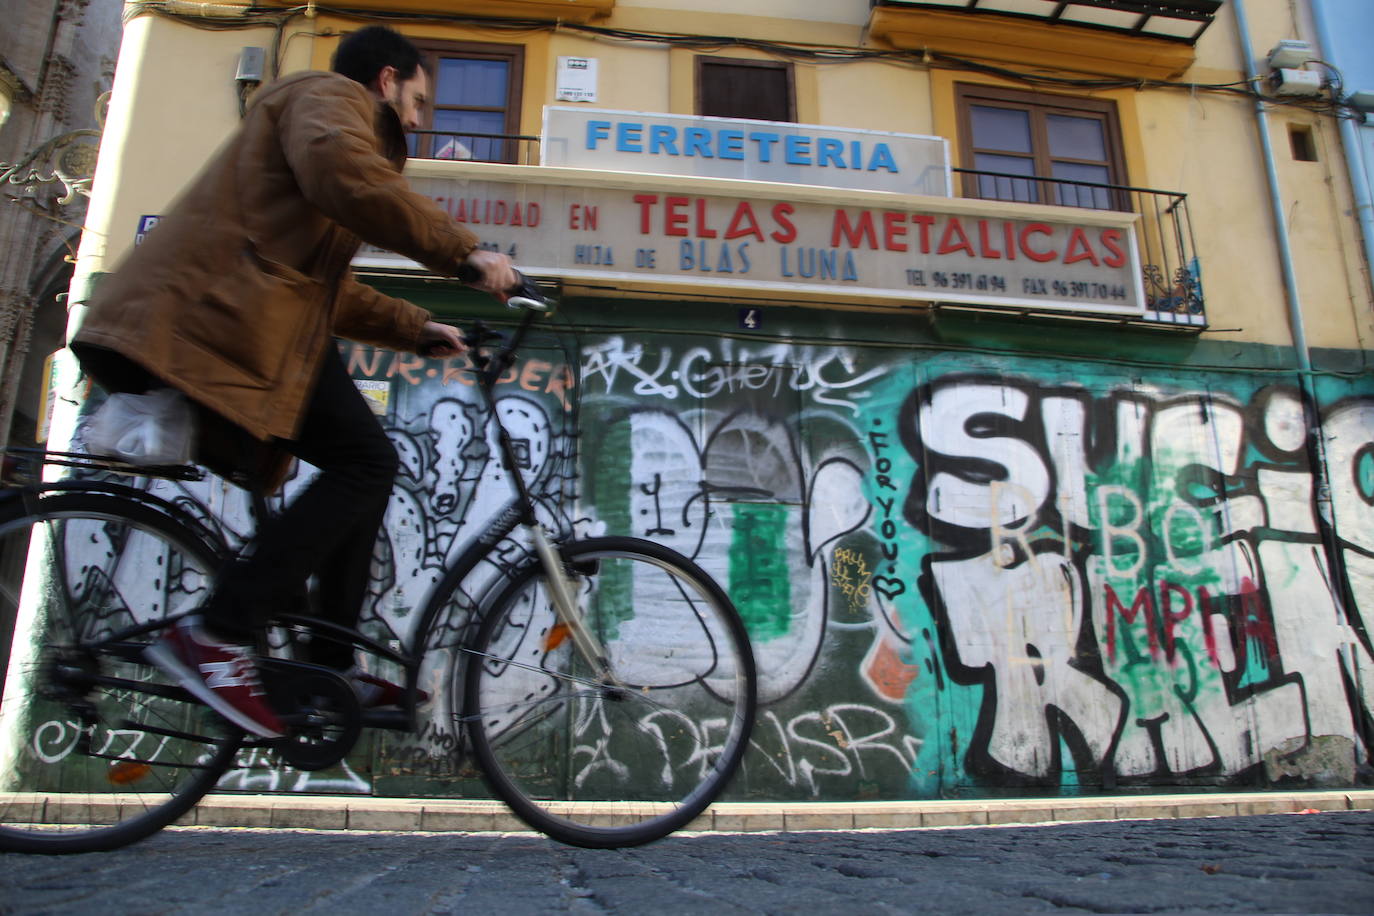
pixel 491 272
pixel 438 341
pixel 495 273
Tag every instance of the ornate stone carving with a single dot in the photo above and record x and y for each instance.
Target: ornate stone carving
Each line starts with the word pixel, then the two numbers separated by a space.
pixel 55 96
pixel 68 159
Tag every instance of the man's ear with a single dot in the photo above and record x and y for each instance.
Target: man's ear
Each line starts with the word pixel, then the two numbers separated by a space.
pixel 384 82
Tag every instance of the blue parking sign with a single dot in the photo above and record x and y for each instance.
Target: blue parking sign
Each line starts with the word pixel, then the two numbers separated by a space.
pixel 145 225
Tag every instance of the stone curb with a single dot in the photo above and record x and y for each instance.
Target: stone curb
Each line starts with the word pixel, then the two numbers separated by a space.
pixel 341 812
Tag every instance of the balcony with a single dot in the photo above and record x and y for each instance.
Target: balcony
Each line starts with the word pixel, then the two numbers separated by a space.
pixel 1139 39
pixel 1169 267
pixel 512 149
pixel 1175 20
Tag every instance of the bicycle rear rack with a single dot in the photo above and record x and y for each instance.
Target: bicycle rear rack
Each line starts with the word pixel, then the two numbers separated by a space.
pixel 24 466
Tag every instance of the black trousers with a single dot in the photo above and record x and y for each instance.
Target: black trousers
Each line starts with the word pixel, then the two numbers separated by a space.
pixel 328 530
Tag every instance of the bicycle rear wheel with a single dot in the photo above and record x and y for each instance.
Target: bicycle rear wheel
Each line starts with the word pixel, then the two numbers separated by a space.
pixel 97 748
pixel 608 765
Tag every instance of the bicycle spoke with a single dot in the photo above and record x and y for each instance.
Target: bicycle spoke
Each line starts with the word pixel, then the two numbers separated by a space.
pixel 511 663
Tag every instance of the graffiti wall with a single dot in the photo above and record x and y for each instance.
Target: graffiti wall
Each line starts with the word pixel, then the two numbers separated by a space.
pixel 963 573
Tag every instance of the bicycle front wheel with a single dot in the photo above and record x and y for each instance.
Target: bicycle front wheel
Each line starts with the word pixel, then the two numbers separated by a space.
pixel 97 748
pixel 607 764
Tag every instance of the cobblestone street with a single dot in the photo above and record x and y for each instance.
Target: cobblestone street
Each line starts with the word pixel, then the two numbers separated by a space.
pixel 1316 863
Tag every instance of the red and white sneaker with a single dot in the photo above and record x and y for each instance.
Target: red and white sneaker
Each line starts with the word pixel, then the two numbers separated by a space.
pixel 221 675
pixel 374 691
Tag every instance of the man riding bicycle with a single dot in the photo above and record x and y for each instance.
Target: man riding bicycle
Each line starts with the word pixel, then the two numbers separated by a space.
pixel 234 299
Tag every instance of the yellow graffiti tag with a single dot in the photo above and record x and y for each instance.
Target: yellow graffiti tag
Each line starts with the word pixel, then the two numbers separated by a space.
pixel 851 574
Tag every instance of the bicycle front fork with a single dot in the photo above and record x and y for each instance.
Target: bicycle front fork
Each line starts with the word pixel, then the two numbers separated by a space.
pixel 563 593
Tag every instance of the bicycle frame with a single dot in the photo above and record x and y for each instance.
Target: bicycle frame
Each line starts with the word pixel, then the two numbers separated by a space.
pixel 517 513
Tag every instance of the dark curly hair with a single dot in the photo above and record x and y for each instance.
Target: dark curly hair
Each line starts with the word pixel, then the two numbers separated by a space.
pixel 363 54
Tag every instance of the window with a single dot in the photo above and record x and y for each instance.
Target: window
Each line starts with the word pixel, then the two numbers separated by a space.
pixel 1042 137
pixel 474 104
pixel 729 88
pixel 1303 146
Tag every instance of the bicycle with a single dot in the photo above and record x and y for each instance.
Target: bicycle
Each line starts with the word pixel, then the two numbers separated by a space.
pixel 99 749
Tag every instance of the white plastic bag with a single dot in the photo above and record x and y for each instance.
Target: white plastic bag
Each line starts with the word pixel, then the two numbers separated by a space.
pixel 153 428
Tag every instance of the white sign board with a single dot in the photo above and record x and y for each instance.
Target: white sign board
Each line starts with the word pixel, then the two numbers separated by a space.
pixel 668 144
pixel 576 81
pixel 637 230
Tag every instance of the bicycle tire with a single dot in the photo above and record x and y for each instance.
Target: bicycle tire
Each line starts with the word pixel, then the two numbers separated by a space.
pixel 92 756
pixel 599 766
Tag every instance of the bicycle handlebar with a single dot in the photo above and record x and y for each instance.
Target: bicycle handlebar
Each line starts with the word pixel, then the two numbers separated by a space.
pixel 523 295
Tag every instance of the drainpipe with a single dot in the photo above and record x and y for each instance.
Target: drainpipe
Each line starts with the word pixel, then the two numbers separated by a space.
pixel 1316 447
pixel 1350 143
pixel 1290 281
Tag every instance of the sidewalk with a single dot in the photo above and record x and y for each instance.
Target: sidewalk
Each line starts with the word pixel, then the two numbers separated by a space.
pixel 342 812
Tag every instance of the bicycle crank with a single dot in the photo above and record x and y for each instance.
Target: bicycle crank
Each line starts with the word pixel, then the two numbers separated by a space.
pixel 321 713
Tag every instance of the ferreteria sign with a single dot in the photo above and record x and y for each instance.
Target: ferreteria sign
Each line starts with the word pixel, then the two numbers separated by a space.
pixel 629 230
pixel 667 144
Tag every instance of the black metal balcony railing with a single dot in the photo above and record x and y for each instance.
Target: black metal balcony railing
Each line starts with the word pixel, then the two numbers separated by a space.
pixel 517 149
pixel 1169 267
